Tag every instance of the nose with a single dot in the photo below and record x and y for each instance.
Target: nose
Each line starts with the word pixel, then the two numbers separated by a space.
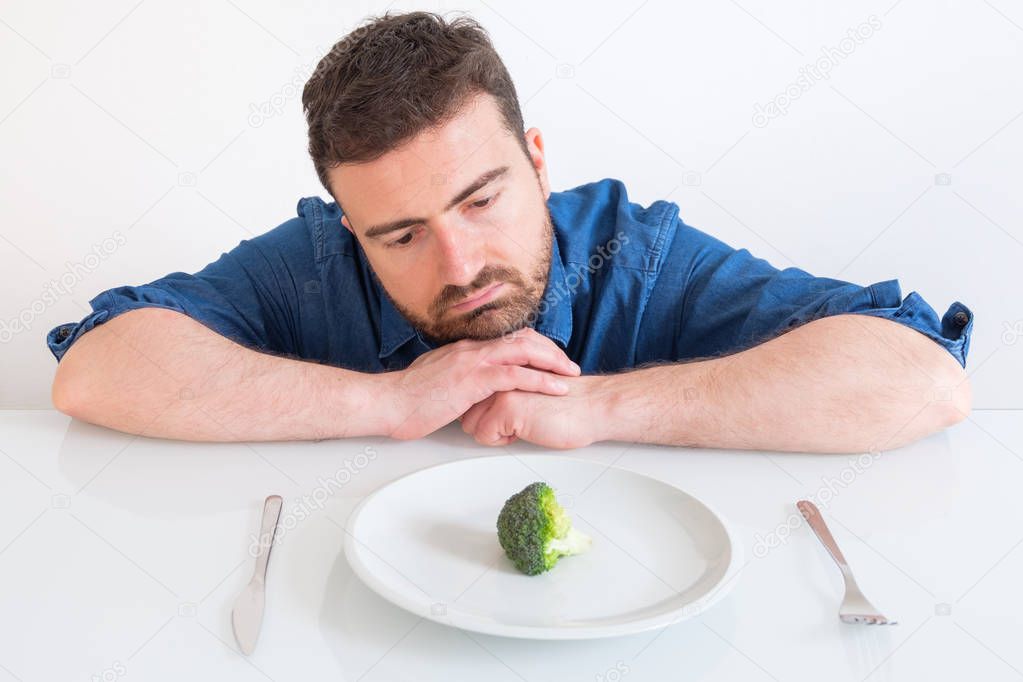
pixel 461 254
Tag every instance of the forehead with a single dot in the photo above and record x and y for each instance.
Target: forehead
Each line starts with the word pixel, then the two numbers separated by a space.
pixel 422 175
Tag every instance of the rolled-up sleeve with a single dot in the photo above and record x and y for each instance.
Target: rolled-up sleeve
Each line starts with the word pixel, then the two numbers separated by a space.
pixel 248 294
pixel 732 300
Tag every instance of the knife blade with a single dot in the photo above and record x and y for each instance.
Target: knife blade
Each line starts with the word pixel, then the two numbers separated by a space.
pixel 247 614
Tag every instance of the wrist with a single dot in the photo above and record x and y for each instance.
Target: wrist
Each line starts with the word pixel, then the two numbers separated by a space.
pixel 608 406
pixel 658 404
pixel 383 404
pixel 364 406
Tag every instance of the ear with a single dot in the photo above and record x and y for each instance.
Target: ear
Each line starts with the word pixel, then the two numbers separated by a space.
pixel 534 144
pixel 348 226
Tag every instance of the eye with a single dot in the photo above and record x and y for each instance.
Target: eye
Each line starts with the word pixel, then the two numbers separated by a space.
pixel 404 240
pixel 482 203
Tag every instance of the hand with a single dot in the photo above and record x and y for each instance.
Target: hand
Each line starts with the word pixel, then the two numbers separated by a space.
pixel 575 419
pixel 443 383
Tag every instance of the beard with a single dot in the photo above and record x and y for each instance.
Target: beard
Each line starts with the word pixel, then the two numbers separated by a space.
pixel 515 308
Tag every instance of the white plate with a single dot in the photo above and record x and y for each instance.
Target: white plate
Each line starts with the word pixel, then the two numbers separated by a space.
pixel 428 543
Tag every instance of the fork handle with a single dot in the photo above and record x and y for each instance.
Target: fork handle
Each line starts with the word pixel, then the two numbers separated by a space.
pixel 268 530
pixel 816 521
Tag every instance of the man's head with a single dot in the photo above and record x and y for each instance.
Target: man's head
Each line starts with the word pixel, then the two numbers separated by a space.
pixel 415 130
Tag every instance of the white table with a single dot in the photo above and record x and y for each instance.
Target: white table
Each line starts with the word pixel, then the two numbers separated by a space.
pixel 120 557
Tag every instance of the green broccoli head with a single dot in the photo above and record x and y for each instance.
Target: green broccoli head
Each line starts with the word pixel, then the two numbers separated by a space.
pixel 535 531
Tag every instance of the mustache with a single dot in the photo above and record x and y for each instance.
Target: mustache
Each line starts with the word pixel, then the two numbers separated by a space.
pixel 487 276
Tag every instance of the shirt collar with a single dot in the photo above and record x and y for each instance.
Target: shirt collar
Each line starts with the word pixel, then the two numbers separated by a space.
pixel 395 330
pixel 553 318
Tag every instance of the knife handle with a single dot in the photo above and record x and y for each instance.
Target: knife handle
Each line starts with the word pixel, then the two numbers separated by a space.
pixel 267 531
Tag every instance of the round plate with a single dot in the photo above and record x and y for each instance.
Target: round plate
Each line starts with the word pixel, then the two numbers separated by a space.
pixel 428 543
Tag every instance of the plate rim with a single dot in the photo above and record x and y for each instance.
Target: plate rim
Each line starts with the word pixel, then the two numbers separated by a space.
pixel 473 623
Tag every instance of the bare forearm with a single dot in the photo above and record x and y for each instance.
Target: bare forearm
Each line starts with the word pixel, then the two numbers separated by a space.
pixel 159 373
pixel 848 383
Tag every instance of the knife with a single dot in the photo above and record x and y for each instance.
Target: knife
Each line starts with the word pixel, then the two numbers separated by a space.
pixel 247 614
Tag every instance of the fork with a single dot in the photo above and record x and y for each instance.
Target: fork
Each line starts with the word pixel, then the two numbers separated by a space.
pixel 855 608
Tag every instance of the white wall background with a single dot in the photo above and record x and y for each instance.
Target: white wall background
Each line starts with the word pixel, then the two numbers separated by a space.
pixel 131 121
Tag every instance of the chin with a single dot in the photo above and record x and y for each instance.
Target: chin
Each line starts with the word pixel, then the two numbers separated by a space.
pixel 489 321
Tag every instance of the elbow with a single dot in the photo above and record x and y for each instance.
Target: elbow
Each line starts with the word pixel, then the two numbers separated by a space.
pixel 960 398
pixel 947 399
pixel 67 393
pixel 951 396
pixel 62 394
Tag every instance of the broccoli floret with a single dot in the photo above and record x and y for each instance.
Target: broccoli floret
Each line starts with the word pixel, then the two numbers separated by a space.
pixel 535 531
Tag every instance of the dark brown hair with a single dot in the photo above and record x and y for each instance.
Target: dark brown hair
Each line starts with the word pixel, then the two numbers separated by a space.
pixel 396 76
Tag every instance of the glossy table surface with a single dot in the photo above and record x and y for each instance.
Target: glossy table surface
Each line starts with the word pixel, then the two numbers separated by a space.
pixel 120 557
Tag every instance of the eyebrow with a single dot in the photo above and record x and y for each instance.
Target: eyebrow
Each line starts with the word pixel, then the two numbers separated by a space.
pixel 476 185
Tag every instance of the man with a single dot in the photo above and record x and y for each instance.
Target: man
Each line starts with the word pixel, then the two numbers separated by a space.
pixel 446 281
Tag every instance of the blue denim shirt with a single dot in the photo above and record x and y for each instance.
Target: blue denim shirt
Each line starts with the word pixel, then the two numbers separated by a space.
pixel 628 285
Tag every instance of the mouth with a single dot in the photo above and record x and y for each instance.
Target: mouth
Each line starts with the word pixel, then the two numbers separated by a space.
pixel 483 297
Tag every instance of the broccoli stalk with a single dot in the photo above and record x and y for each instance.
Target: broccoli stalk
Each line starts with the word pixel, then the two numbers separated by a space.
pixel 535 531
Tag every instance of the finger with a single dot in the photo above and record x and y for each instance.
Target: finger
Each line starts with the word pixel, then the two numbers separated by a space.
pixel 543 343
pixel 496 428
pixel 540 353
pixel 512 377
pixel 527 346
pixel 572 368
pixel 501 442
pixel 471 416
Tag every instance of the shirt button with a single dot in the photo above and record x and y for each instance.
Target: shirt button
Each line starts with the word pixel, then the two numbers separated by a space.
pixel 63 333
pixel 961 318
